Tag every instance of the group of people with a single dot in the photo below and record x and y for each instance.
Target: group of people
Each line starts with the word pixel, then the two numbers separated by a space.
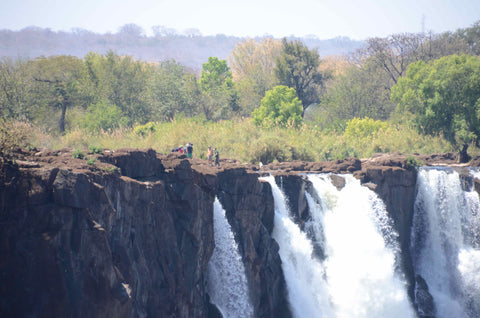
pixel 213 156
pixel 188 150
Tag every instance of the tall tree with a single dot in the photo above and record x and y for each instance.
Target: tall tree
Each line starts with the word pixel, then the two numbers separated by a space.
pixel 280 106
pixel 63 77
pixel 173 91
pixel 122 81
pixel 444 97
pixel 297 67
pixel 15 82
pixel 252 65
pixel 220 97
pixel 362 91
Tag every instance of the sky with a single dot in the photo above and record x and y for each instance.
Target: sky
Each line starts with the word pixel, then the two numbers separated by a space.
pixel 324 19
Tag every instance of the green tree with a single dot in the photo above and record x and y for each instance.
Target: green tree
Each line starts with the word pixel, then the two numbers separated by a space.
pixel 103 116
pixel 60 83
pixel 220 97
pixel 173 91
pixel 252 63
pixel 122 81
pixel 359 92
pixel 15 86
pixel 297 67
pixel 280 106
pixel 444 96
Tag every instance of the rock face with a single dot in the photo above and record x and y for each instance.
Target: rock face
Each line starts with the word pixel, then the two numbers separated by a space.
pixel 132 234
pixel 249 208
pixel 76 243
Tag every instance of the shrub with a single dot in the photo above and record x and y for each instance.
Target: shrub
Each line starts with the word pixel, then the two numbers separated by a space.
pixel 12 136
pixel 91 161
pixel 412 162
pixel 365 127
pixel 95 149
pixel 280 106
pixel 103 116
pixel 144 130
pixel 78 154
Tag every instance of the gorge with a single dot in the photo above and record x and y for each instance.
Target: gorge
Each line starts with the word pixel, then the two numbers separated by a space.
pixel 140 234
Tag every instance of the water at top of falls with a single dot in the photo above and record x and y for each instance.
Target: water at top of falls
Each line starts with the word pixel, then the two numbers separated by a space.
pixel 446 242
pixel 226 281
pixel 357 277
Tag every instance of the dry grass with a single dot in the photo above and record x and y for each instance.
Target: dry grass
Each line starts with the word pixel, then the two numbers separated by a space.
pixel 242 140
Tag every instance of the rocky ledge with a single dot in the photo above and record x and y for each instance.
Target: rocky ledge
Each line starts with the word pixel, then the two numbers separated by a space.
pixel 129 233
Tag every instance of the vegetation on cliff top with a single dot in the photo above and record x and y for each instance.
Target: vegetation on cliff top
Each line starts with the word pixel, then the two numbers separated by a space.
pixel 272 100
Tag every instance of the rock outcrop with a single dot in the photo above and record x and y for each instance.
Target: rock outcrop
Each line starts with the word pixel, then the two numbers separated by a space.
pixel 79 241
pixel 131 235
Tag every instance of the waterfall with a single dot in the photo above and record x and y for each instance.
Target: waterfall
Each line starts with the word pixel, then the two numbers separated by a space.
pixel 357 278
pixel 226 281
pixel 304 275
pixel 446 242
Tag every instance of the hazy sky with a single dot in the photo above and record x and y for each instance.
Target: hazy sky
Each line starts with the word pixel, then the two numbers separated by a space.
pixel 357 19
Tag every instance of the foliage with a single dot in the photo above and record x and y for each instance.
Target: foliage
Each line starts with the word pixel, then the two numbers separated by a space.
pixel 252 63
pixel 12 136
pixel 247 142
pixel 173 91
pixel 144 130
pixel 359 92
pixel 444 96
pixel 91 161
pixel 123 82
pixel 280 106
pixel 297 67
pixel 220 98
pixel 103 116
pixel 95 150
pixel 413 162
pixel 15 85
pixel 365 127
pixel 59 83
pixel 78 154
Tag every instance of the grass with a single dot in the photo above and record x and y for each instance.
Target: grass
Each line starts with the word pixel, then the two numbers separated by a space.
pixel 242 140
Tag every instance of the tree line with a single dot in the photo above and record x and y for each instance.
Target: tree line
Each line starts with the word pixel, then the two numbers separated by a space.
pixel 273 81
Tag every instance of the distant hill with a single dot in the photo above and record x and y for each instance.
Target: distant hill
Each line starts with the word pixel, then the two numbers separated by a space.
pixel 191 51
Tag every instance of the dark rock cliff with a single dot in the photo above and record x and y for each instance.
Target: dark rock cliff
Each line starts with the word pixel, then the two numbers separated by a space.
pixel 132 234
pixel 78 243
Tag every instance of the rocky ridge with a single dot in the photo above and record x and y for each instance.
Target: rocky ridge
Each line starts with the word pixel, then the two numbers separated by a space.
pixel 130 233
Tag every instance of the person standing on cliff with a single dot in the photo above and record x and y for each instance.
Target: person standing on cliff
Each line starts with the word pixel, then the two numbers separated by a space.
pixel 210 155
pixel 217 157
pixel 189 150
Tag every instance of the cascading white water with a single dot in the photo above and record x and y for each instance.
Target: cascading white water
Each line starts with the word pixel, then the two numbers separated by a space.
pixel 307 290
pixel 360 247
pixel 446 242
pixel 357 277
pixel 226 281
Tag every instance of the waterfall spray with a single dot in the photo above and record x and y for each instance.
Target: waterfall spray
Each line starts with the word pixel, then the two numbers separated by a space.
pixel 446 242
pixel 226 281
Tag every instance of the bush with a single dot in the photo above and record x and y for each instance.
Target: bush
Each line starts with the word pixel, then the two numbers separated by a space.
pixel 78 154
pixel 103 116
pixel 280 106
pixel 412 162
pixel 365 127
pixel 145 130
pixel 12 136
pixel 91 161
pixel 95 149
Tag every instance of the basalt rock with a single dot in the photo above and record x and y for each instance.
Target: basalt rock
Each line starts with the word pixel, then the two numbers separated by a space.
pixel 249 208
pixel 78 241
pixel 132 234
